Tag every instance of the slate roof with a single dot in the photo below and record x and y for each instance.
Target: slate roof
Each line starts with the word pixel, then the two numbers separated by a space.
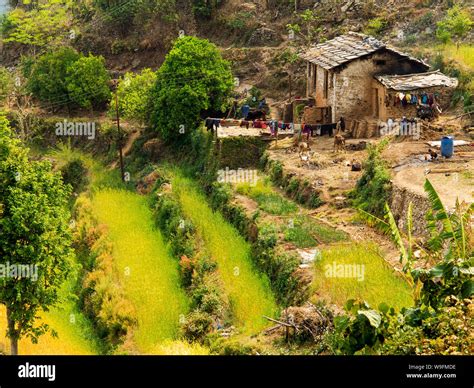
pixel 346 48
pixel 417 81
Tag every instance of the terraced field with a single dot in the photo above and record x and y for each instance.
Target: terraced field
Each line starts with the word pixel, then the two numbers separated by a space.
pixel 376 283
pixel 249 292
pixel 148 272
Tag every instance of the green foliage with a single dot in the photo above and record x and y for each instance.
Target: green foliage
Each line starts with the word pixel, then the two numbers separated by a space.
pixel 305 232
pixel 281 268
pixel 134 92
pixel 299 190
pixel 87 82
pixel 34 225
pixel 307 26
pixel 456 25
pixel 193 78
pixel 6 83
pixel 441 320
pixel 65 77
pixel 255 96
pixel 48 78
pixel 75 173
pixel 373 188
pixel 375 26
pixel 197 325
pixel 205 8
pixel 268 200
pixel 102 294
pixel 44 25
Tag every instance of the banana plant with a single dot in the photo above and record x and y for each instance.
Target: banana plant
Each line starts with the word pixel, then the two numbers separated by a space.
pixel 450 246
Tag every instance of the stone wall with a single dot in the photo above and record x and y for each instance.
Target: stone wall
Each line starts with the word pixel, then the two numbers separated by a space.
pixel 399 201
pixel 350 87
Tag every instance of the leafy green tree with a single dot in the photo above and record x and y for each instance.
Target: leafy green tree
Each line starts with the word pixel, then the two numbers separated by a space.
pixel 34 232
pixel 193 78
pixel 65 77
pixel 47 80
pixel 456 25
pixel 87 81
pixel 44 24
pixel 6 83
pixel 134 91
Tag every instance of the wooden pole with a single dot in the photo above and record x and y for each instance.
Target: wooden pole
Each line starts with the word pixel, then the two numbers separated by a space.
pixel 119 134
pixel 290 86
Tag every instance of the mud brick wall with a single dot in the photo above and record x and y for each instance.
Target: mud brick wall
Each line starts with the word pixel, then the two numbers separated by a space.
pixel 398 111
pixel 350 87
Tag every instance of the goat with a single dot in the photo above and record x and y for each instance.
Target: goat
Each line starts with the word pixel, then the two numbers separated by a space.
pixel 339 143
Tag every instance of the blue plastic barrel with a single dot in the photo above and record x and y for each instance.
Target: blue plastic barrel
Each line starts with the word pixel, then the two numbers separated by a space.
pixel 447 146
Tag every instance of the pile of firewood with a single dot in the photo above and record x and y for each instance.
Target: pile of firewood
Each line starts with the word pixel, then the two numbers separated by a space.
pixel 308 322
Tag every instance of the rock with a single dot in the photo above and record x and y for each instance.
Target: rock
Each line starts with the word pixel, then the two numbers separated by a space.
pixel 264 36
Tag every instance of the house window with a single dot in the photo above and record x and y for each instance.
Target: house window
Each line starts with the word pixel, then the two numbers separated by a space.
pixel 326 83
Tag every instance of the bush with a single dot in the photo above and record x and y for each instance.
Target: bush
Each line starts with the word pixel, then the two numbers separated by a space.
pixel 198 324
pixel 134 91
pixel 373 188
pixel 65 77
pixel 75 173
pixel 87 82
pixel 48 78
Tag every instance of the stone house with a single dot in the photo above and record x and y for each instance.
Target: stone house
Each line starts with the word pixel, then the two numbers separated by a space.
pixel 354 75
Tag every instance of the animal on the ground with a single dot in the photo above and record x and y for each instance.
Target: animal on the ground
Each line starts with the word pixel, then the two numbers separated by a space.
pixel 303 147
pixel 339 143
pixel 433 154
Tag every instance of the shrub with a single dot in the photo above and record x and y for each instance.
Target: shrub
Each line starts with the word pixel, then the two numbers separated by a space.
pixel 48 78
pixel 75 173
pixel 87 82
pixel 373 188
pixel 198 324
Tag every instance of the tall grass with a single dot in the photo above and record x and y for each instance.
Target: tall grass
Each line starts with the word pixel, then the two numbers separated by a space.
pixel 463 55
pixel 267 198
pixel 249 292
pixel 306 232
pixel 99 176
pixel 149 274
pixel 380 283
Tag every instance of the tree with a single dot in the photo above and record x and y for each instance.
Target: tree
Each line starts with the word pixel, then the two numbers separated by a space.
pixel 193 78
pixel 44 25
pixel 134 92
pixel 6 83
pixel 47 80
pixel 65 77
pixel 456 25
pixel 34 238
pixel 87 81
